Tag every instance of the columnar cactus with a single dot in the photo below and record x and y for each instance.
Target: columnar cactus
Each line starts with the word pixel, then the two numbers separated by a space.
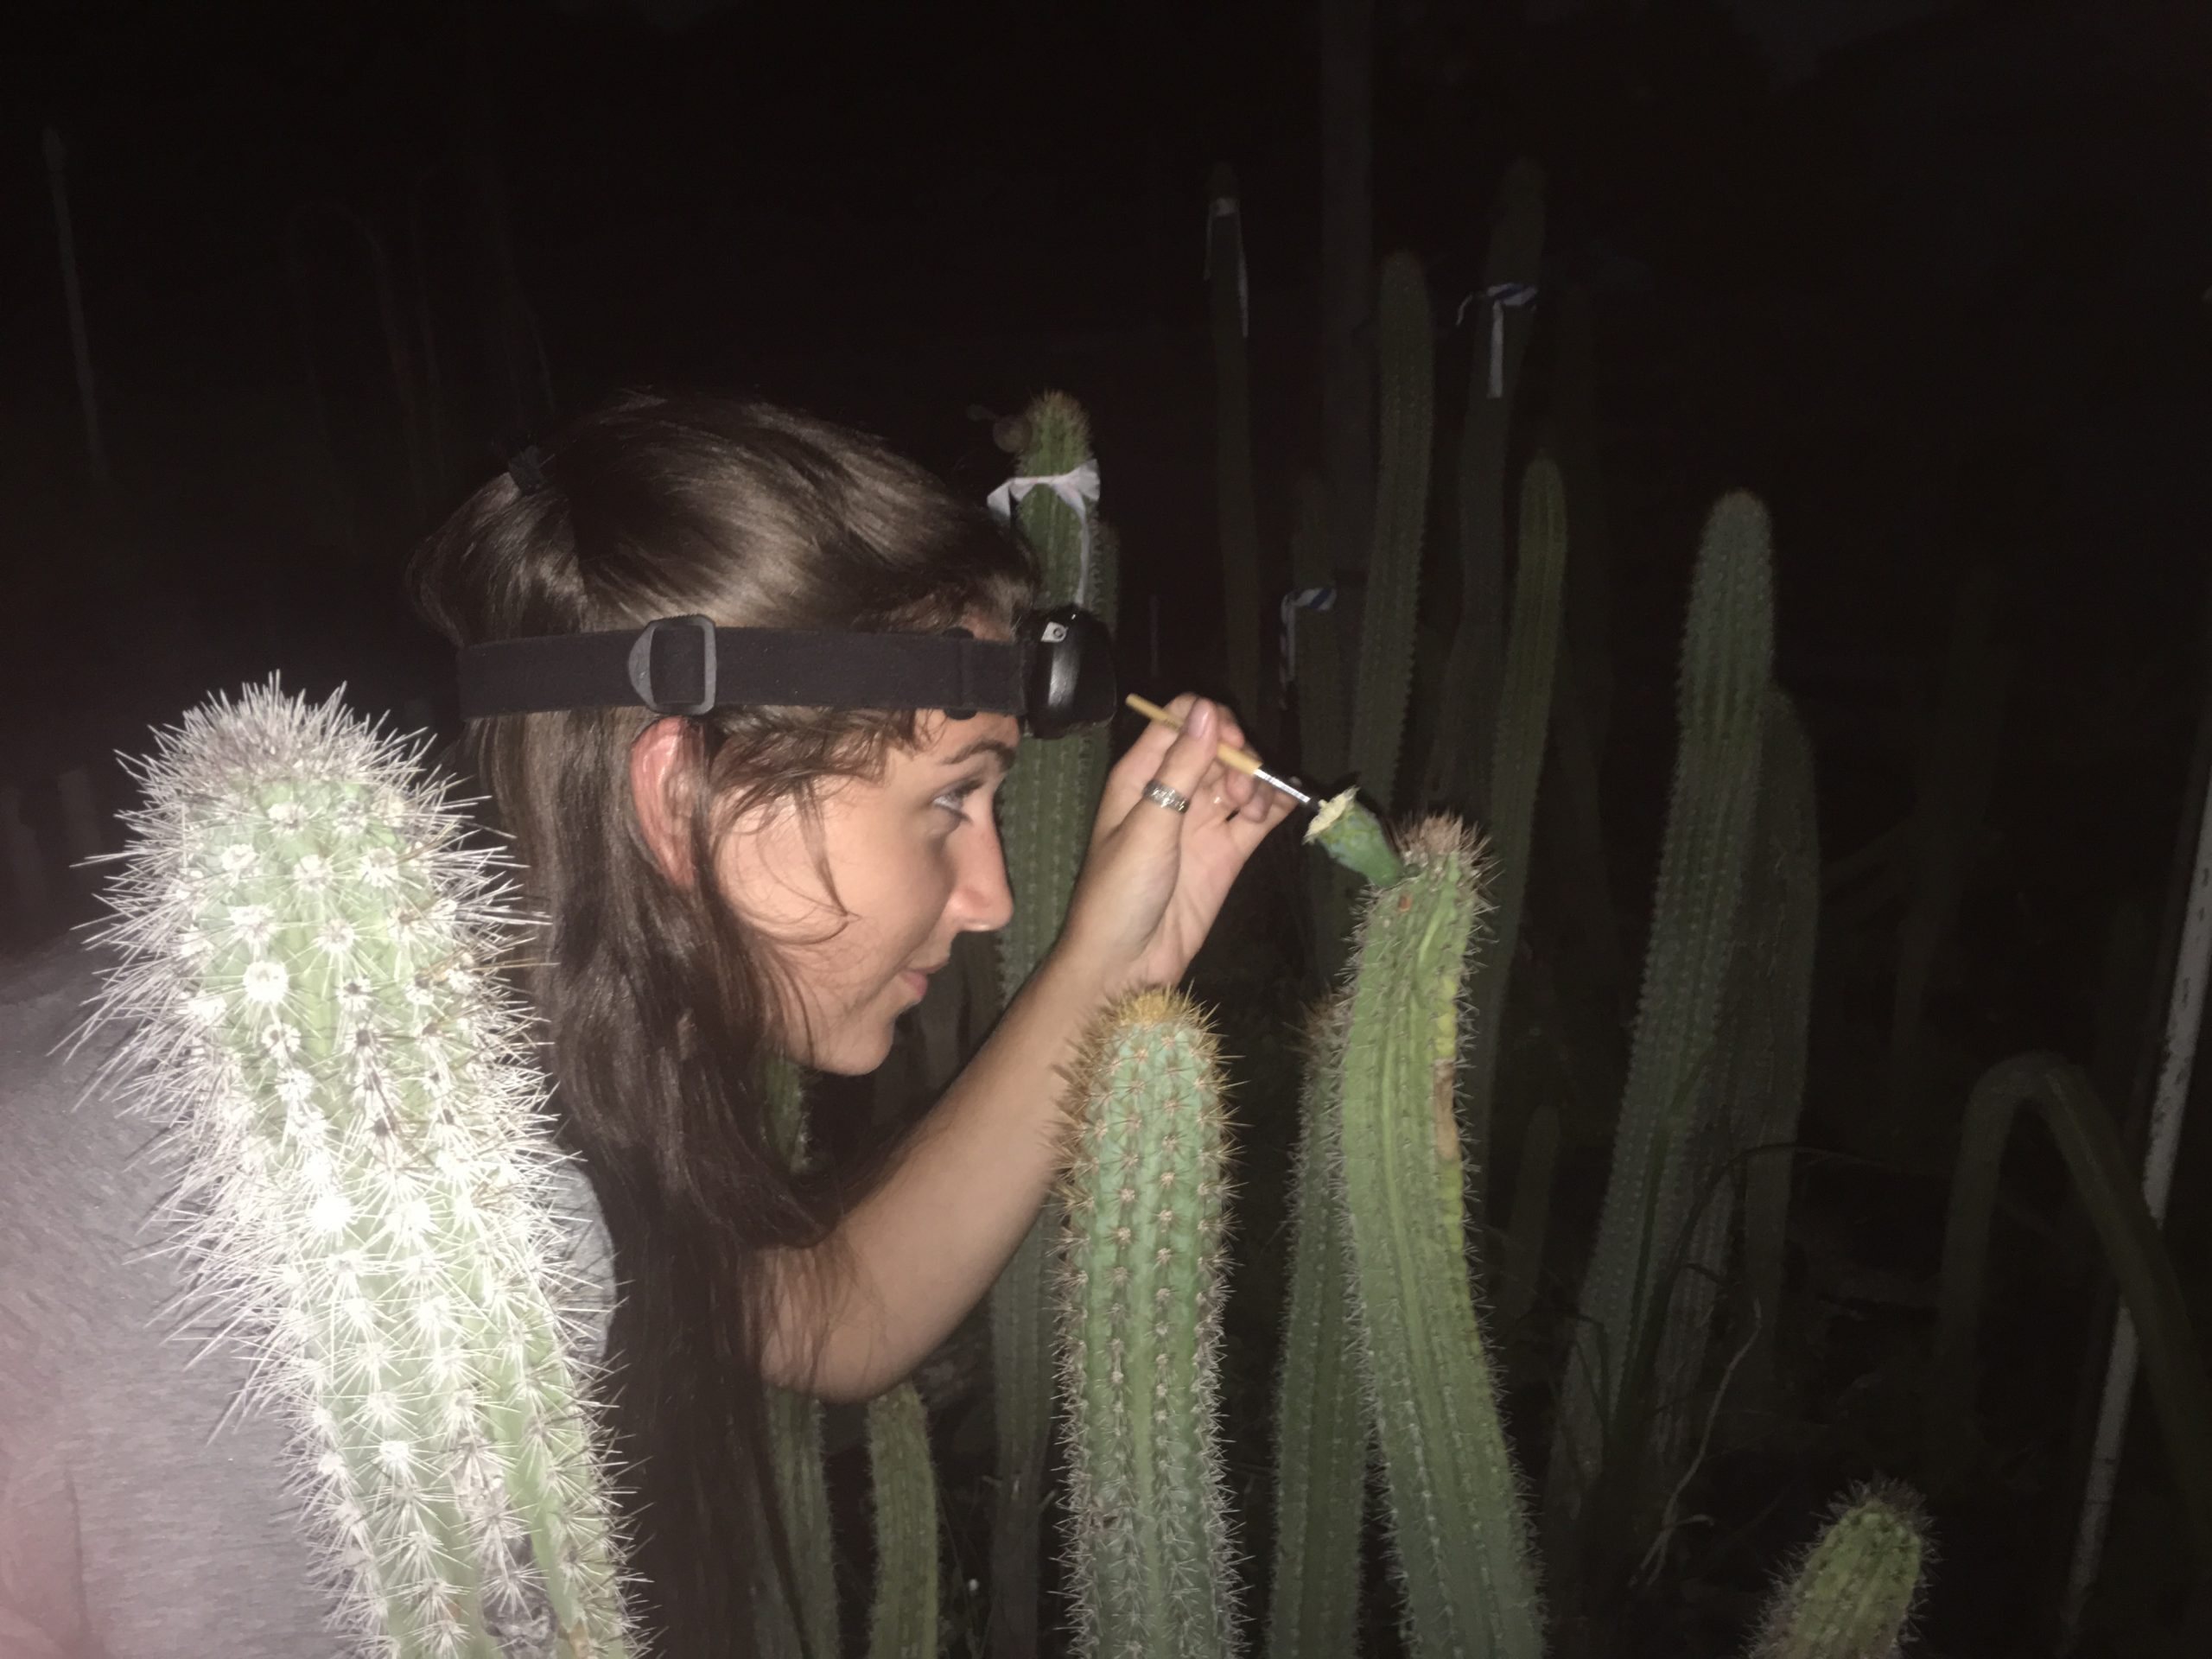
pixel 1321 1429
pixel 904 1623
pixel 1852 1593
pixel 1049 804
pixel 1458 764
pixel 1727 660
pixel 1407 349
pixel 1236 510
pixel 1457 1532
pixel 307 966
pixel 1141 1288
pixel 1516 761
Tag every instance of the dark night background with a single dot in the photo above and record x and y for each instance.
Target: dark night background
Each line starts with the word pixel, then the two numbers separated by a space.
pixel 1931 277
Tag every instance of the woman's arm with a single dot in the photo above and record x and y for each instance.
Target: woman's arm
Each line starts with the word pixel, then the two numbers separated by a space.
pixel 911 1258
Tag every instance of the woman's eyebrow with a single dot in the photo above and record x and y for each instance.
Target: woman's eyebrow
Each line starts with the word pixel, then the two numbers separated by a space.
pixel 1005 752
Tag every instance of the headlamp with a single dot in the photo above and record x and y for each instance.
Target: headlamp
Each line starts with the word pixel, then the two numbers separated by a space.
pixel 1056 675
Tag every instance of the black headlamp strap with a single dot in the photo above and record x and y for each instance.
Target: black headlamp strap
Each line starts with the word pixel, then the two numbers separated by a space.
pixel 685 664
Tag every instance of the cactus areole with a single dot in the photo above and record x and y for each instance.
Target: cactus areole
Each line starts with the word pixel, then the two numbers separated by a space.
pixel 1055 674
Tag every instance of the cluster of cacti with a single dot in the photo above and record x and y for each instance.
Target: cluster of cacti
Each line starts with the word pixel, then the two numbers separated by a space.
pixel 1141 1284
pixel 1047 806
pixel 308 971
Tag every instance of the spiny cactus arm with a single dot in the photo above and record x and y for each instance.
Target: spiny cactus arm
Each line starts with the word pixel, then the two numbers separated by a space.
pixel 1140 1291
pixel 1321 1429
pixel 904 1623
pixel 2173 1359
pixel 1458 1537
pixel 1407 351
pixel 1524 716
pixel 1726 665
pixel 307 946
pixel 1048 807
pixel 1853 1592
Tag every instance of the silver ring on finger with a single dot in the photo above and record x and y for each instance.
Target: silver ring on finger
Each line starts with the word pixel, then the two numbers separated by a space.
pixel 1165 795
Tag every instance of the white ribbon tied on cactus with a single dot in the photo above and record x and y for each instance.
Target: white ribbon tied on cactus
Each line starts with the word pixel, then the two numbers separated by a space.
pixel 1297 600
pixel 1078 488
pixel 1225 207
pixel 1499 296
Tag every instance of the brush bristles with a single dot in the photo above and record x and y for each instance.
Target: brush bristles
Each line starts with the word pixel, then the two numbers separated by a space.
pixel 305 952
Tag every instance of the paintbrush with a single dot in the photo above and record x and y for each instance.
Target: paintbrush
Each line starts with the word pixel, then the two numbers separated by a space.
pixel 1230 755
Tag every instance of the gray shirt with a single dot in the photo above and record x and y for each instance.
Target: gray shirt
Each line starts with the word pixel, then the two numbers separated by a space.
pixel 144 1510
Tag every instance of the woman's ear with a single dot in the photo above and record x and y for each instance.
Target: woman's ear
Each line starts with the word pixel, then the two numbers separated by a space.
pixel 658 787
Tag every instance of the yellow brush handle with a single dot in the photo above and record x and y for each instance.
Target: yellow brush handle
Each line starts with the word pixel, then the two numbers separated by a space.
pixel 1230 755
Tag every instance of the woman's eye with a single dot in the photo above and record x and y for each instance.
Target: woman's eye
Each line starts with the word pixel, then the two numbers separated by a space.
pixel 955 800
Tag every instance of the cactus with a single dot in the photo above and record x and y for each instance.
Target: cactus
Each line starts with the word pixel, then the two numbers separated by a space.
pixel 1139 1295
pixel 1850 1596
pixel 904 1621
pixel 1355 838
pixel 1236 511
pixel 307 950
pixel 1321 1431
pixel 2173 1360
pixel 1458 767
pixel 796 1448
pixel 1048 804
pixel 1319 655
pixel 1726 662
pixel 1458 1534
pixel 1524 712
pixel 1386 634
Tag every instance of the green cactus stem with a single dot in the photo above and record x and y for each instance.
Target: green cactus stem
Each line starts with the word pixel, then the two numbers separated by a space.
pixel 307 969
pixel 1235 509
pixel 1407 349
pixel 904 1623
pixel 1319 684
pixel 1852 1594
pixel 1651 1191
pixel 1524 716
pixel 1458 1534
pixel 1139 1292
pixel 1049 804
pixel 1351 834
pixel 2174 1361
pixel 1458 767
pixel 1321 1431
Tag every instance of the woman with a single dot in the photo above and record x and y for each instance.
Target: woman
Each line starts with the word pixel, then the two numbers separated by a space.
pixel 728 888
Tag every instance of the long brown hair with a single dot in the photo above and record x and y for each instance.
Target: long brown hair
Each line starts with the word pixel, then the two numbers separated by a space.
pixel 660 1007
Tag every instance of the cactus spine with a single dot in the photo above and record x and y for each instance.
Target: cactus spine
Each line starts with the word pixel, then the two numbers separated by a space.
pixel 1049 803
pixel 1726 662
pixel 1140 1287
pixel 904 1623
pixel 1386 634
pixel 307 958
pixel 1321 1431
pixel 1457 763
pixel 1852 1594
pixel 1524 713
pixel 1456 1527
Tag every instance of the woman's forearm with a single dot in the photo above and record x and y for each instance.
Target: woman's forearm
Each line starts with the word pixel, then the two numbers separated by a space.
pixel 908 1262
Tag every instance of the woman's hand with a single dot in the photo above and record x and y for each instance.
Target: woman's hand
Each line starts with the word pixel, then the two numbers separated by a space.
pixel 1155 880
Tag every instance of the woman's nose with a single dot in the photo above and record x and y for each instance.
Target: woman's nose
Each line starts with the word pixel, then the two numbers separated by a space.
pixel 983 901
